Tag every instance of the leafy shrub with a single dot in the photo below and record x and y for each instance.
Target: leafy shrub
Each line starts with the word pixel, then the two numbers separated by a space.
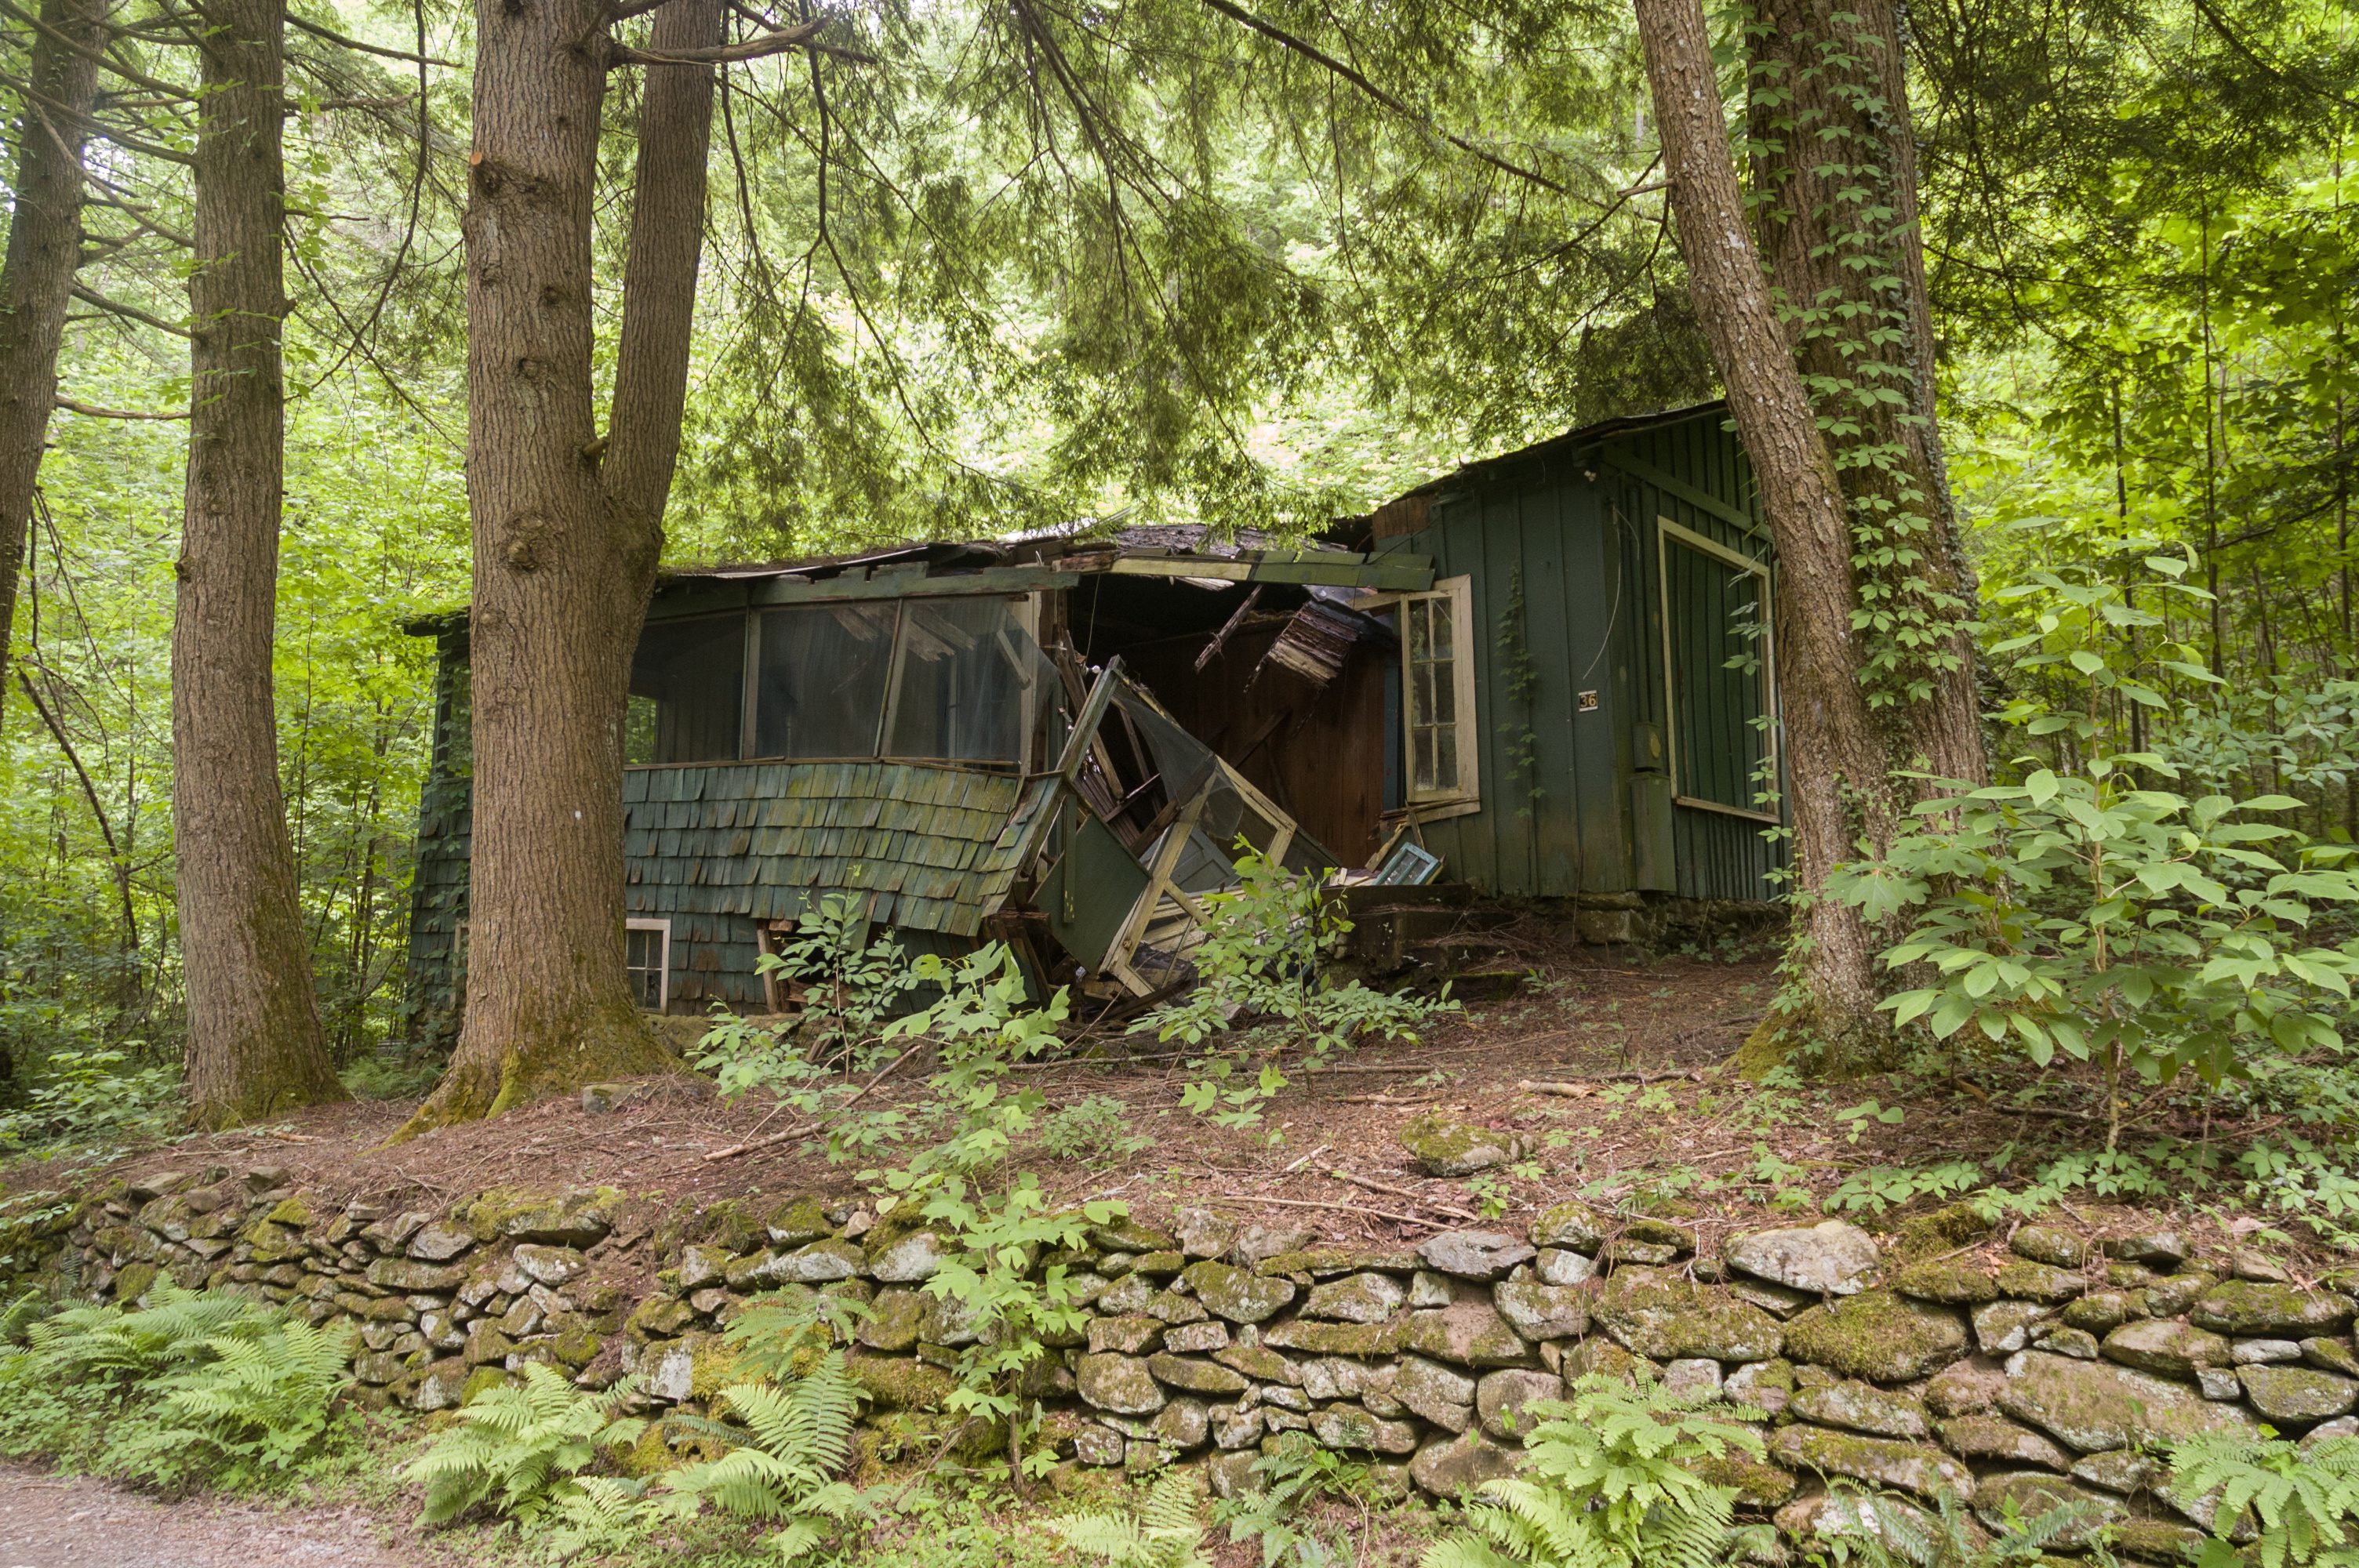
pixel 1268 942
pixel 90 1100
pixel 2081 912
pixel 2305 1503
pixel 519 1447
pixel 195 1386
pixel 1606 1483
pixel 1169 1532
pixel 1095 1130
pixel 850 991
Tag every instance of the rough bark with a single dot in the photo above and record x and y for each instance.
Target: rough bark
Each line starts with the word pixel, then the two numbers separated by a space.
pixel 567 531
pixel 254 1042
pixel 36 279
pixel 1841 755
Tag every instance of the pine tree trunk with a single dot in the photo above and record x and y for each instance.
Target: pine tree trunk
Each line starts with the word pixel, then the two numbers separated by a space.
pixel 255 1044
pixel 1840 751
pixel 568 528
pixel 37 279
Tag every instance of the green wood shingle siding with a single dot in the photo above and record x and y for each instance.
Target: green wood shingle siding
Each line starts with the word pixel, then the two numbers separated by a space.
pixel 716 849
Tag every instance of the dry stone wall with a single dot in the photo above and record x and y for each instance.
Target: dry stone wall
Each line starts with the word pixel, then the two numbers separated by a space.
pixel 2051 1364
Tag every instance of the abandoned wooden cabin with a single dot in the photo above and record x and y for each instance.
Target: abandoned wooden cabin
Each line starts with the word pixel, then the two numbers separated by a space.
pixel 1548 672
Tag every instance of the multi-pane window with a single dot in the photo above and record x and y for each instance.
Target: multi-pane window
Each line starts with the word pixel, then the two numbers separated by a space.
pixel 646 960
pixel 1438 674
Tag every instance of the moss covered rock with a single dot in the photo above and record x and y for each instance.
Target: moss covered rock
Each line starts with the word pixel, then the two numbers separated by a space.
pixel 2296 1396
pixel 2091 1407
pixel 1571 1223
pixel 1452 1467
pixel 1947 1280
pixel 1758 1484
pixel 1908 1466
pixel 2028 1280
pixel 900 1382
pixel 1862 1407
pixel 2256 1307
pixel 1834 1257
pixel 1240 1295
pixel 1469 1333
pixel 1667 1318
pixel 1877 1335
pixel 1356 1298
pixel 1441 1147
pixel 2167 1346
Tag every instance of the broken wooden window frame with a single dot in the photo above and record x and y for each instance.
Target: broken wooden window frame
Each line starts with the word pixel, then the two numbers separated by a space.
pixel 1671 535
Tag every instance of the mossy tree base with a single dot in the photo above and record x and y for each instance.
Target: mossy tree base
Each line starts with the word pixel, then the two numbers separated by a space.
pixel 487 1078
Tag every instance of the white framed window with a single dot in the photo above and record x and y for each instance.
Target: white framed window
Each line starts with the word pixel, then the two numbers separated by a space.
pixel 1719 673
pixel 1437 635
pixel 646 960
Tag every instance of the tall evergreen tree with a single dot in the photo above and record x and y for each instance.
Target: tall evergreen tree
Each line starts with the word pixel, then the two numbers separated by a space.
pixel 255 1041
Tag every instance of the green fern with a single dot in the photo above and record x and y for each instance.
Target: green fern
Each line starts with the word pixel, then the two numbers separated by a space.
pixel 2304 1501
pixel 194 1386
pixel 1292 1475
pixel 1606 1483
pixel 592 1515
pixel 783 1462
pixel 1169 1533
pixel 1873 1531
pixel 520 1447
pixel 248 1410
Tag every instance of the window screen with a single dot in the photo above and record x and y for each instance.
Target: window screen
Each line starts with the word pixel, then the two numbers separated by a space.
pixel 1433 730
pixel 966 675
pixel 1713 610
pixel 821 673
pixel 688 691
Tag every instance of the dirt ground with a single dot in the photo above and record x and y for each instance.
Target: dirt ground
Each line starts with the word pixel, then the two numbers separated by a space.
pixel 52 1521
pixel 1631 1045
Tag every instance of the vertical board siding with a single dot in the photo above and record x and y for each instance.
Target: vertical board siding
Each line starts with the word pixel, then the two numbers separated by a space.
pixel 1716 856
pixel 1591 562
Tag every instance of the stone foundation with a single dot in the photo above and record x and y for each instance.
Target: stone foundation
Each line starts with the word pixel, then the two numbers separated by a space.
pixel 1937 1359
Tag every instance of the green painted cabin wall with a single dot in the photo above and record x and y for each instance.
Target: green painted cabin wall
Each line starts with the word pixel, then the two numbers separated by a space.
pixel 1587 550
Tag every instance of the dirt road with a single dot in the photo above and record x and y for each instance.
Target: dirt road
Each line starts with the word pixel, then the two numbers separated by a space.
pixel 48 1521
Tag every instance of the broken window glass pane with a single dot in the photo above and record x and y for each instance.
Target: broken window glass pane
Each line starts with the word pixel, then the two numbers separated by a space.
pixel 688 691
pixel 968 671
pixel 822 674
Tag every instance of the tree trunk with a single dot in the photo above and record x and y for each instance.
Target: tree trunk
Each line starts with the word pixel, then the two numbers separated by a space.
pixel 36 279
pixel 564 555
pixel 1834 177
pixel 1842 744
pixel 255 1044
